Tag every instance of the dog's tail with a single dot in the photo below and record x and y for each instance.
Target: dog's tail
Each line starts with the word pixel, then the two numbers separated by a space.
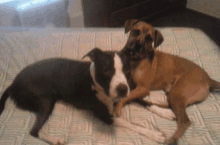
pixel 3 99
pixel 214 84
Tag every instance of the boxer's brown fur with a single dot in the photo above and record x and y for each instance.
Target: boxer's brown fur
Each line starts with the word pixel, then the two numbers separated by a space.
pixel 183 81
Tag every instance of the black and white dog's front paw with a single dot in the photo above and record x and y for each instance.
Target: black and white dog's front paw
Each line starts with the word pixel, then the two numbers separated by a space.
pixel 162 112
pixel 53 140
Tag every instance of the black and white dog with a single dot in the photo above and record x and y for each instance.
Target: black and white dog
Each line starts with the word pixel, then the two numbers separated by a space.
pixel 86 85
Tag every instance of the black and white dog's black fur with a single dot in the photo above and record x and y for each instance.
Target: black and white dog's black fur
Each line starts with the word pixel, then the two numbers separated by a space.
pixel 86 85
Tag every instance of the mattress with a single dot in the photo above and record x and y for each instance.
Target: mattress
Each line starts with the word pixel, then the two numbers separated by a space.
pixel 22 46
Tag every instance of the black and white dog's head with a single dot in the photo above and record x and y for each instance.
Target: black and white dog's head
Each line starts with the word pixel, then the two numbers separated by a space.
pixel 110 72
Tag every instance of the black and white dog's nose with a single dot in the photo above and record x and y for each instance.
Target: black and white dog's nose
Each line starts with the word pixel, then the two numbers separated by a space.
pixel 122 90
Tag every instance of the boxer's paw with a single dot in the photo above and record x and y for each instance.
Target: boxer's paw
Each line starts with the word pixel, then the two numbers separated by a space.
pixel 118 110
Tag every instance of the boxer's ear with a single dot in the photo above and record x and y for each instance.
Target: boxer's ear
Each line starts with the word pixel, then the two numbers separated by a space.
pixel 158 38
pixel 129 24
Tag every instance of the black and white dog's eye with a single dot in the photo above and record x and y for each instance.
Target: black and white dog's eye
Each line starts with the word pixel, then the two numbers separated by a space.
pixel 127 70
pixel 107 72
pixel 135 33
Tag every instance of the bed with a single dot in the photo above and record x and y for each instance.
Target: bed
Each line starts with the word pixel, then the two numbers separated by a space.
pixel 22 46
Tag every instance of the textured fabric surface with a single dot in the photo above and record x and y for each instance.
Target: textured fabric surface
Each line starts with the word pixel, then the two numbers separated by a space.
pixel 18 49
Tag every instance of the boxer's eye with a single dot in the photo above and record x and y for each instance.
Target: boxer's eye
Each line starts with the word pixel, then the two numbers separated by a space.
pixel 135 33
pixel 148 38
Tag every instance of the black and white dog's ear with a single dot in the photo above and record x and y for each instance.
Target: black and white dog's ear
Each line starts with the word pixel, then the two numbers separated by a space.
pixel 158 38
pixel 94 53
pixel 129 24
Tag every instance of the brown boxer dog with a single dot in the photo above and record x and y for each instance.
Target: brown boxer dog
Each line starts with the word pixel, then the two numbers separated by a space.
pixel 183 81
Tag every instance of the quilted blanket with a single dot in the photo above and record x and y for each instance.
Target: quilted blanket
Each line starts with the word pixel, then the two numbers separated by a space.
pixel 20 47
